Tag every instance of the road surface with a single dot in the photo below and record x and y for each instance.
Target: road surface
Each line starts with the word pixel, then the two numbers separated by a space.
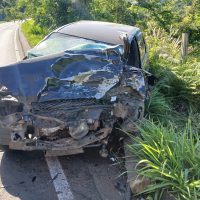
pixel 7 43
pixel 30 176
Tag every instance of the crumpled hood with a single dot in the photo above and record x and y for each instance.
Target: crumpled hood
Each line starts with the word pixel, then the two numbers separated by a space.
pixel 70 75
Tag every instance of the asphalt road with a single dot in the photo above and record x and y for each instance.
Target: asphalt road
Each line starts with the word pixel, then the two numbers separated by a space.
pixel 30 176
pixel 7 43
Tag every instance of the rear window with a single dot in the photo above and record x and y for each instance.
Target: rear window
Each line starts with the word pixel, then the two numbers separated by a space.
pixel 58 42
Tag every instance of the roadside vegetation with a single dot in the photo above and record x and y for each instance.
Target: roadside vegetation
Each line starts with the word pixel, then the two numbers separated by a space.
pixel 170 159
pixel 33 32
pixel 169 145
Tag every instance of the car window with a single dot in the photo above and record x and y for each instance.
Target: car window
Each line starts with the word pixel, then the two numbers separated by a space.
pixel 142 48
pixel 134 58
pixel 58 42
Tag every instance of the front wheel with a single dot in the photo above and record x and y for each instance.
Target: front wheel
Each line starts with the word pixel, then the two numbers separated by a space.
pixel 4 139
pixel 4 147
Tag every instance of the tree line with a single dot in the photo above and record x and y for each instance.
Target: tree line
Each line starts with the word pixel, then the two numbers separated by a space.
pixel 184 15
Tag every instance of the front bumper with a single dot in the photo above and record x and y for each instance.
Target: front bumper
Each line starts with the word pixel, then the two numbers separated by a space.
pixel 67 127
pixel 66 146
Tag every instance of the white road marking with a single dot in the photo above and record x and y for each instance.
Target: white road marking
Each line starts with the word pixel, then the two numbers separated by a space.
pixel 59 179
pixel 16 46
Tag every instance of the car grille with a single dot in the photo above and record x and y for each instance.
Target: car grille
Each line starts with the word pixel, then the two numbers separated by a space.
pixel 68 109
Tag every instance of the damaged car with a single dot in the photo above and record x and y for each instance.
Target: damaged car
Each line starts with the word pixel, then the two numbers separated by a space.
pixel 74 88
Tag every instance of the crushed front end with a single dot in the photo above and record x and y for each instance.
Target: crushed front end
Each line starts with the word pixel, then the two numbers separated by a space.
pixel 67 103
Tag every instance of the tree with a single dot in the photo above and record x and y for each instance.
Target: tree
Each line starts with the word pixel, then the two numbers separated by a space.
pixel 112 10
pixel 5 6
pixel 49 13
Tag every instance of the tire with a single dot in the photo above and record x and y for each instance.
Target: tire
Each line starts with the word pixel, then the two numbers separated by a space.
pixel 4 148
pixel 4 138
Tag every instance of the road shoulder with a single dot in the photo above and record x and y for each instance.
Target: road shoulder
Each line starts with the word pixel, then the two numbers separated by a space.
pixel 22 43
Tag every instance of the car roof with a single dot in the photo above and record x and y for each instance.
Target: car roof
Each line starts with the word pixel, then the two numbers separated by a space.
pixel 100 31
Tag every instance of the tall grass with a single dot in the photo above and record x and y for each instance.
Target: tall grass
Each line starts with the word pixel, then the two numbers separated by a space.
pixel 172 159
pixel 157 107
pixel 179 82
pixel 33 33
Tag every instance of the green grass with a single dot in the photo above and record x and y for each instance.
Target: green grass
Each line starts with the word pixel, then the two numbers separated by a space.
pixel 170 159
pixel 33 33
pixel 157 107
pixel 179 83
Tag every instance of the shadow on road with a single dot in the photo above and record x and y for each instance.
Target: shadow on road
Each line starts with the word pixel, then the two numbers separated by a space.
pixel 25 175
